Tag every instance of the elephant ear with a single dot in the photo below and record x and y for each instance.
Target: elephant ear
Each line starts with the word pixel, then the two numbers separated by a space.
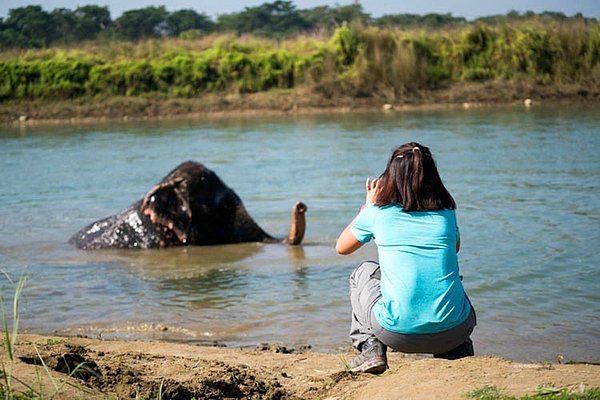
pixel 168 204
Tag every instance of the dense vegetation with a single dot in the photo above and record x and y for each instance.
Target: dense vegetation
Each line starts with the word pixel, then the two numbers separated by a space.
pixel 363 57
pixel 33 27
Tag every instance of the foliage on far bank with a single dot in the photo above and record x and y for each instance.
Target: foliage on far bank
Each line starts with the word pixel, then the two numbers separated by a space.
pixel 33 27
pixel 354 61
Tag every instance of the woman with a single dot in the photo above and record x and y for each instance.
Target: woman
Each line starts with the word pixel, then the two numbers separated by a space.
pixel 413 300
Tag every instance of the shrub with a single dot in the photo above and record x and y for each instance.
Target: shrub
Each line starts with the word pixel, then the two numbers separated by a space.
pixel 354 61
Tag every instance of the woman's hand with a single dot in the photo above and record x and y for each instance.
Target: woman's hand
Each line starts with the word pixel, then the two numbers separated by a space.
pixel 373 190
pixel 347 242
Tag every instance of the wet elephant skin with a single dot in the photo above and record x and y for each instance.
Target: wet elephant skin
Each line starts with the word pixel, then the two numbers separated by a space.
pixel 190 206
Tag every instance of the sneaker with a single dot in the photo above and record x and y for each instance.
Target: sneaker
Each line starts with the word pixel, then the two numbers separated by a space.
pixel 372 358
pixel 463 350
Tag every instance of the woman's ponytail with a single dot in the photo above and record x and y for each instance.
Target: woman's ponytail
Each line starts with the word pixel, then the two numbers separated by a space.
pixel 417 172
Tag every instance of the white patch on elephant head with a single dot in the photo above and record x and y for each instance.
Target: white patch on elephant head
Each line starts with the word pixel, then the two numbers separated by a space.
pixel 133 220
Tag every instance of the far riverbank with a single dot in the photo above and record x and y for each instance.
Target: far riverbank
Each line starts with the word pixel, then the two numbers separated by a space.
pixel 86 110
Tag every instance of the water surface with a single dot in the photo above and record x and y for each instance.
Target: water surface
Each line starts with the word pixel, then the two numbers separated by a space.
pixel 527 184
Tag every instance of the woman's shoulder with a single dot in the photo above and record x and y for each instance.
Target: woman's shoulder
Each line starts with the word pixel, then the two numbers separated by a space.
pixel 444 212
pixel 394 212
pixel 447 214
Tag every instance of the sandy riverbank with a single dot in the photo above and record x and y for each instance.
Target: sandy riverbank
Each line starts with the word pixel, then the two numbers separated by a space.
pixel 120 369
pixel 87 110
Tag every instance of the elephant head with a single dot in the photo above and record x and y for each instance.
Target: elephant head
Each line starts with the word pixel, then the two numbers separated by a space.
pixel 190 206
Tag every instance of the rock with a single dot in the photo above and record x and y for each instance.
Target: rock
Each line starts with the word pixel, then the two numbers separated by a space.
pixel 528 102
pixel 274 348
pixel 466 105
pixel 23 118
pixel 388 106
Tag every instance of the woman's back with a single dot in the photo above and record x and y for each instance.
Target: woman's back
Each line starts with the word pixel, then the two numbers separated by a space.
pixel 420 283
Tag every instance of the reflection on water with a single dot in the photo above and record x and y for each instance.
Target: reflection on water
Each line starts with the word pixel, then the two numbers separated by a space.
pixel 179 263
pixel 526 182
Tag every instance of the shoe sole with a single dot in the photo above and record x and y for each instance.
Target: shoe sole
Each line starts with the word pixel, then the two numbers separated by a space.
pixel 376 365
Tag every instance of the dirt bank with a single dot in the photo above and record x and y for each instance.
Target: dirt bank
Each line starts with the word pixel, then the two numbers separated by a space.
pixel 125 369
pixel 299 101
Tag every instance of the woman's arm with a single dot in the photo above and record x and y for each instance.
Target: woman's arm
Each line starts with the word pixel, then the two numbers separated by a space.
pixel 457 237
pixel 347 243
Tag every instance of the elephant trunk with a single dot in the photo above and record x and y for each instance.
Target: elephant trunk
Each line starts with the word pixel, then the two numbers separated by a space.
pixel 298 226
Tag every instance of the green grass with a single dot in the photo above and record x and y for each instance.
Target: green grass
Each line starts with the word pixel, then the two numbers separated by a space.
pixel 486 393
pixel 10 338
pixel 8 382
pixel 489 392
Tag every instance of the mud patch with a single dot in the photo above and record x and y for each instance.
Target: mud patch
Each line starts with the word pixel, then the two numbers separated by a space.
pixel 65 358
pixel 276 348
pixel 334 379
pixel 135 375
pixel 237 382
pixel 214 380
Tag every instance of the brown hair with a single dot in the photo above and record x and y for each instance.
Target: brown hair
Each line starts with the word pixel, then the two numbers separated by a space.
pixel 411 179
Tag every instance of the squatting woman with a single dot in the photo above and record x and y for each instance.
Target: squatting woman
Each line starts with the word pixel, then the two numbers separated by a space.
pixel 413 299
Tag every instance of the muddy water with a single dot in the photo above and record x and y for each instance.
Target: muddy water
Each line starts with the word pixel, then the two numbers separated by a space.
pixel 527 183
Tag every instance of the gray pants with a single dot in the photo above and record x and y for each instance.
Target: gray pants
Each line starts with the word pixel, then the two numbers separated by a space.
pixel 365 290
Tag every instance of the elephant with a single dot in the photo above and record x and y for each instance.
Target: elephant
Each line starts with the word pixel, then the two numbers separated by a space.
pixel 190 206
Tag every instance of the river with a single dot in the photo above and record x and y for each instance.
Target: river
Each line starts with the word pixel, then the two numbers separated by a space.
pixel 527 184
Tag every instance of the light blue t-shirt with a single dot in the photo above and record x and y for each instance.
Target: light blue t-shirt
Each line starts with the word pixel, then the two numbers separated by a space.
pixel 421 290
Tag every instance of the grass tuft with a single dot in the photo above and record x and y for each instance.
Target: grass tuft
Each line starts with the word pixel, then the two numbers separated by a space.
pixel 490 392
pixel 486 392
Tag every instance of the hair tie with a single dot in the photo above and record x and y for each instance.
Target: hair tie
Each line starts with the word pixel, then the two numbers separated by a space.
pixel 405 153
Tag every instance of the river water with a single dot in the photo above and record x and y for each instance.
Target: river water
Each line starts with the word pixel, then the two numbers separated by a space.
pixel 527 184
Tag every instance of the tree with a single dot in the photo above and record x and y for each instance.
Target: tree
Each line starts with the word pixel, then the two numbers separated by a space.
pixel 553 15
pixel 432 20
pixel 63 21
pixel 349 14
pixel 277 19
pixel 436 20
pixel 318 17
pixel 143 23
pixel 400 20
pixel 28 27
pixel 91 20
pixel 185 20
pixel 330 18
